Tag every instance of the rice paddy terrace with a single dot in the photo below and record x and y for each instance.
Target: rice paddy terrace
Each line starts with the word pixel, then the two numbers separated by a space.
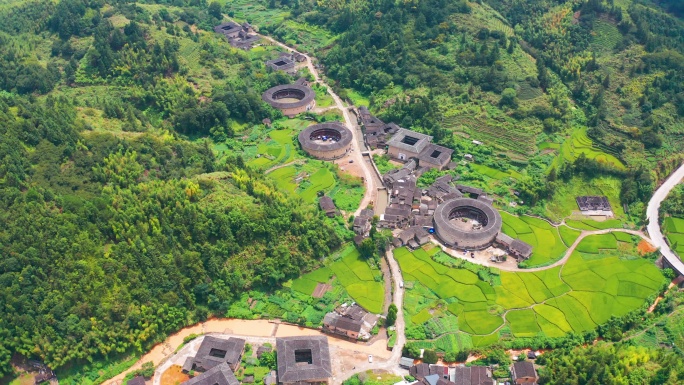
pixel 452 305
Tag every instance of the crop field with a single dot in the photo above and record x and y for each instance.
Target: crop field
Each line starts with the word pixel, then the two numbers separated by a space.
pixel 545 239
pixel 362 283
pixel 278 148
pixel 584 293
pixel 580 143
pixel 674 230
pixel 606 36
pixel 563 203
pixel 589 224
pixel 494 173
pixel 306 177
pixel 504 135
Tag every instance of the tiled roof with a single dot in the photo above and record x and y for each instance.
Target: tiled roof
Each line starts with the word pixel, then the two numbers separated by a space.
pixel 289 370
pixel 218 375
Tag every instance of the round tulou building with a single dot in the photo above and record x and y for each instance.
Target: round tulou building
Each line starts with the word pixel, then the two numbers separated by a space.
pixel 327 141
pixel 467 223
pixel 291 99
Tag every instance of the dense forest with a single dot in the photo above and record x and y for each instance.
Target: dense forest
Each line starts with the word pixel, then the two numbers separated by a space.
pixel 611 364
pixel 118 226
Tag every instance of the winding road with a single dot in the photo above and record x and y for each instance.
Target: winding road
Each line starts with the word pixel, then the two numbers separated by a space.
pixel 653 226
pixel 356 152
pixel 390 364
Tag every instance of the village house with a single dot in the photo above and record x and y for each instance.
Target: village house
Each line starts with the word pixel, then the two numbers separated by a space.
pixel 455 375
pixel 215 351
pixel 376 132
pixel 517 248
pixel 239 36
pixel 218 375
pixel 328 206
pixel 303 360
pixel 594 205
pixel 285 63
pixel 524 373
pixel 413 237
pixel 362 223
pixel 406 144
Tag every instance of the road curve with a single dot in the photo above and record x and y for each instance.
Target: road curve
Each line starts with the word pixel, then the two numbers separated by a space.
pixel 566 256
pixel 653 226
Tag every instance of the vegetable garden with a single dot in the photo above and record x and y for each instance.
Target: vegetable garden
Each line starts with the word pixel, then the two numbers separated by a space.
pixel 451 304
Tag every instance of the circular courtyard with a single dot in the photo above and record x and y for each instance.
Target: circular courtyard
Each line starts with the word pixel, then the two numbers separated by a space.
pixel 330 140
pixel 291 99
pixel 467 223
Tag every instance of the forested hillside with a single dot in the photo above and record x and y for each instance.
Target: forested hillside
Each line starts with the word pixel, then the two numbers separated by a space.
pixel 132 145
pixel 119 226
pixel 554 89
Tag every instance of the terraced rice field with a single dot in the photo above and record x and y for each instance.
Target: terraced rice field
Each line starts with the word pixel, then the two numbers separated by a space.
pixel 494 173
pixel 592 286
pixel 580 143
pixel 279 148
pixel 546 240
pixel 674 230
pixel 362 283
pixel 505 136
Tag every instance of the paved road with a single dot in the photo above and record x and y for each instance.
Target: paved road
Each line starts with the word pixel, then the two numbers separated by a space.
pixel 653 226
pixel 356 149
pixel 568 252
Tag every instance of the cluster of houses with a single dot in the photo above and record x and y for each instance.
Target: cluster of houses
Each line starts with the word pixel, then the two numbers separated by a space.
pixel 350 321
pixel 300 361
pixel 286 62
pixel 522 372
pixel 238 35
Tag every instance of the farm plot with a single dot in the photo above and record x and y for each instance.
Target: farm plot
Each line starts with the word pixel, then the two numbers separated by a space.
pixel 584 293
pixel 545 239
pixel 580 143
pixel 674 230
pixel 359 280
pixel 362 283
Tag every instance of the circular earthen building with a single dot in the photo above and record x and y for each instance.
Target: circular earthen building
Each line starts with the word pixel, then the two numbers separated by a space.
pixel 291 99
pixel 331 140
pixel 467 223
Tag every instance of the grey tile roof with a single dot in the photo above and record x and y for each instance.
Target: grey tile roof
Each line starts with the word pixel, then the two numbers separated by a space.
pixel 137 380
pixel 473 375
pixel 401 140
pixel 326 203
pixel 523 369
pixel 504 239
pixel 334 320
pixel 432 379
pixel 521 248
pixel 207 355
pixel 218 375
pixel 290 371
pixel 435 154
pixel 406 362
pixel 420 371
